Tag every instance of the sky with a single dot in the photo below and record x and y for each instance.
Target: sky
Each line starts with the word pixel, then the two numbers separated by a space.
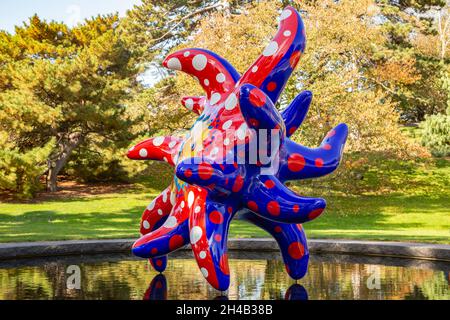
pixel 14 12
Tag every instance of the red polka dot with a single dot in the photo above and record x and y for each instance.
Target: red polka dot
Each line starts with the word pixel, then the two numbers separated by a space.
pixel 159 263
pixel 218 237
pixel 216 217
pixel 319 163
pixel 315 213
pixel 158 285
pixel 257 98
pixel 274 208
pixel 278 229
pixel 294 59
pixel 252 206
pixel 296 208
pixel 238 184
pixel 154 251
pixel 223 263
pixel 296 162
pixel 296 250
pixel 176 242
pixel 331 133
pixel 327 147
pixel 254 123
pixel 292 130
pixel 271 86
pixel 188 173
pixel 269 184
pixel 205 171
pixel 230 210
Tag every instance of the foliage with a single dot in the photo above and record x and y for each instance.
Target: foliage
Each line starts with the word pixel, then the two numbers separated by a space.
pixel 416 38
pixel 20 172
pixel 436 134
pixel 70 85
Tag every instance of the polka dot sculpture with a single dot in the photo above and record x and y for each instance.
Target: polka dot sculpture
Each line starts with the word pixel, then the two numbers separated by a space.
pixel 208 192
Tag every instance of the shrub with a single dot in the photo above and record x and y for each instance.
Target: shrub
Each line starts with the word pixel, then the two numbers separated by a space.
pixel 436 134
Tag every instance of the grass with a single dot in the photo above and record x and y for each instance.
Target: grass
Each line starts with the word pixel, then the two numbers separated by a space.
pixel 403 201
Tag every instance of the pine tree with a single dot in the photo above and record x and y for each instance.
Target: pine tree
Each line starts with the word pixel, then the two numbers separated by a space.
pixel 65 85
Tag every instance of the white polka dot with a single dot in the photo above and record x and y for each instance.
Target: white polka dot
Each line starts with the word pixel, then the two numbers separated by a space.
pixel 285 14
pixel 199 62
pixel 271 49
pixel 206 82
pixel 197 209
pixel 189 103
pixel 174 64
pixel 146 225
pixel 215 97
pixel 241 132
pixel 204 272
pixel 186 54
pixel 182 204
pixel 165 159
pixel 226 141
pixel 215 151
pixel 231 102
pixel 164 198
pixel 254 69
pixel 227 125
pixel 173 198
pixel 143 153
pixel 172 144
pixel 196 234
pixel 151 206
pixel 131 149
pixel 160 212
pixel 171 222
pixel 287 33
pixel 220 78
pixel 191 198
pixel 158 141
pixel 202 254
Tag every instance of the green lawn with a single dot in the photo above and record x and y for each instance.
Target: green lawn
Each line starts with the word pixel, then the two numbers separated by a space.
pixel 416 211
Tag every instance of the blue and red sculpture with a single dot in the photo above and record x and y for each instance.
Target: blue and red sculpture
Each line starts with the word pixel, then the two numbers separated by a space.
pixel 215 178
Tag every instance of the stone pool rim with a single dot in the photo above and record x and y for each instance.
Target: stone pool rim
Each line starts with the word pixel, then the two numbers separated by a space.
pixel 423 251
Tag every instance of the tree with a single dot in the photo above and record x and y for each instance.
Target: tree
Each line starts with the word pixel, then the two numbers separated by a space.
pixel 69 85
pixel 338 67
pixel 415 35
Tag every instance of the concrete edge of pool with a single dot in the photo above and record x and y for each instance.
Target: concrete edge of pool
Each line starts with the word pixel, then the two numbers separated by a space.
pixel 368 248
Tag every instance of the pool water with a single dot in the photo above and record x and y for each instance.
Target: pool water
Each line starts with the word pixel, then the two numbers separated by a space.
pixel 253 276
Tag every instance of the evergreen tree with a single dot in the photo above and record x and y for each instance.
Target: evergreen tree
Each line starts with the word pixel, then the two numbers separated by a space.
pixel 65 85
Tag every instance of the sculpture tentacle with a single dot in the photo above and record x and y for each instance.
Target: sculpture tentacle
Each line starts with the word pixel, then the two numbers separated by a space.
pixel 291 240
pixel 303 162
pixel 216 76
pixel 154 217
pixel 208 234
pixel 159 148
pixel 273 68
pixel 296 112
pixel 272 200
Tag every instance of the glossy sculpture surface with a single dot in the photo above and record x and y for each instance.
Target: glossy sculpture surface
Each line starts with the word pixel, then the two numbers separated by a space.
pixel 235 160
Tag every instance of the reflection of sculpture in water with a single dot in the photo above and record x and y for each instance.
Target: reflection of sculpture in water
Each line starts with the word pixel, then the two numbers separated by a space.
pixel 220 170
pixel 157 289
pixel 296 292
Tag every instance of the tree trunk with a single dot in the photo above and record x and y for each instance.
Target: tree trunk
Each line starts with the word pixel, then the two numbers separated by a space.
pixel 59 160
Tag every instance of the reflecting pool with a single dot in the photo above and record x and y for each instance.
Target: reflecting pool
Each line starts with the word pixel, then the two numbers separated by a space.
pixel 253 276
